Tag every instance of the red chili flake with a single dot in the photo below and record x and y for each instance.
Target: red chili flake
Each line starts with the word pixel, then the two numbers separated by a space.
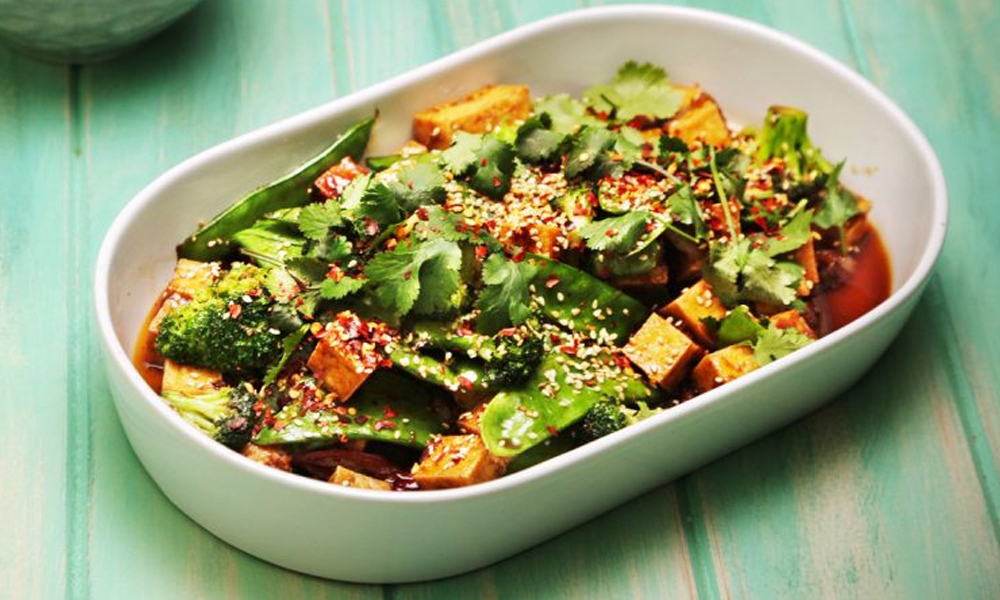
pixel 552 281
pixel 554 338
pixel 610 233
pixel 361 419
pixel 422 214
pixel 235 310
pixel 383 424
pixel 552 430
pixel 650 226
pixel 371 226
pixel 507 331
pixel 335 273
pixel 465 382
pixel 389 413
pixel 518 257
pixel 762 223
pixel 622 361
pixel 568 349
pixel 407 275
pixel 481 252
pixel 496 182
pixel 257 293
pixel 482 163
pixel 299 301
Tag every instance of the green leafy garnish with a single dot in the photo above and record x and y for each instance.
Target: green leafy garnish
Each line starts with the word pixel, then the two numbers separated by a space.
pixel 397 278
pixel 536 142
pixel 738 326
pixel 616 234
pixel 792 236
pixel 774 343
pixel 316 219
pixel 567 113
pixel 588 153
pixel 684 207
pixel 493 168
pixel 504 299
pixel 332 289
pixel 736 271
pixel 419 181
pixel 462 154
pixel 838 206
pixel 637 90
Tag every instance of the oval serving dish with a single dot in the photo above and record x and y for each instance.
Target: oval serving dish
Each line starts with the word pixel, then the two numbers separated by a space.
pixel 471 527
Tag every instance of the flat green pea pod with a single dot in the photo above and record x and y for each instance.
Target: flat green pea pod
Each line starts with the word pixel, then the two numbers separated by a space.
pixel 559 394
pixel 583 303
pixel 214 240
pixel 389 407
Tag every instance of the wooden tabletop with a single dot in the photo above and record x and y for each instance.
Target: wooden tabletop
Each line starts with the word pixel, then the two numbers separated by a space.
pixel 891 491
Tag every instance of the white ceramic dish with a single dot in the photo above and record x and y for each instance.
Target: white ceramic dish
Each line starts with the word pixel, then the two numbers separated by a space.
pixel 369 536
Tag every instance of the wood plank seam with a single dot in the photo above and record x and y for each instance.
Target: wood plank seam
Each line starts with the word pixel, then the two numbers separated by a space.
pixel 78 444
pixel 853 34
pixel 696 539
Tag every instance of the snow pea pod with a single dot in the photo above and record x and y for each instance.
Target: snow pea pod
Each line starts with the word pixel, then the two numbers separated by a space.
pixel 559 394
pixel 214 240
pixel 390 407
pixel 584 304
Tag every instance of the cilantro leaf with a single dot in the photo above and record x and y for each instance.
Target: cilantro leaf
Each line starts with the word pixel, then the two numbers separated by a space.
pixel 792 236
pixel 838 206
pixel 316 219
pixel 588 153
pixel 493 169
pixel 379 204
pixel 441 289
pixel 395 275
pixel 616 234
pixel 351 196
pixel 437 222
pixel 308 270
pixel 335 290
pixel 672 145
pixel 288 347
pixel 629 145
pixel 736 271
pixel 638 89
pixel 536 142
pixel 683 205
pixel 418 182
pixel 567 113
pixel 774 343
pixel 738 326
pixel 461 155
pixel 331 248
pixel 504 299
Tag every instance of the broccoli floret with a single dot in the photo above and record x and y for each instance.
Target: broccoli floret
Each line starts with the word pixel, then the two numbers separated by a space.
pixel 784 136
pixel 607 417
pixel 513 359
pixel 225 328
pixel 226 415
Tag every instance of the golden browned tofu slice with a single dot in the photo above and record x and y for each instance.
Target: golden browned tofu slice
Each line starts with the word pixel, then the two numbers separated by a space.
pixel 171 302
pixel 471 420
pixel 692 306
pixel 479 112
pixel 348 478
pixel 722 366
pixel 188 380
pixel 339 368
pixel 457 460
pixel 191 276
pixel 662 352
pixel 268 456
pixel 700 121
pixel 806 256
pixel 792 319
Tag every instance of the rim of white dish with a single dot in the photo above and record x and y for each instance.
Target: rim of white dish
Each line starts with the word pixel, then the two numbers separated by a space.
pixel 121 359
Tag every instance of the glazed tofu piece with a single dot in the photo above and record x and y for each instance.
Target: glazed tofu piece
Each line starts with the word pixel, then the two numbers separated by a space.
pixel 188 380
pixel 348 478
pixel 268 456
pixel 344 358
pixel 171 302
pixel 662 351
pixel 479 112
pixel 806 256
pixel 191 276
pixel 471 421
pixel 457 460
pixel 700 121
pixel 333 181
pixel 692 306
pixel 723 366
pixel 792 319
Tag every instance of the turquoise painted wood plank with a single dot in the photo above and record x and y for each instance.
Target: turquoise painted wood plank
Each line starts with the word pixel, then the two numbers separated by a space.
pixel 36 312
pixel 225 69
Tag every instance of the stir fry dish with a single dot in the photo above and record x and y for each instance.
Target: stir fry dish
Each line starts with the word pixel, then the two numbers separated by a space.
pixel 523 277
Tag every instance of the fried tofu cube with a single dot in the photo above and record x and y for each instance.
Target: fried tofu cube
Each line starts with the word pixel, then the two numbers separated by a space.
pixel 479 112
pixel 335 179
pixel 806 256
pixel 700 121
pixel 792 319
pixel 348 478
pixel 268 456
pixel 457 460
pixel 169 303
pixel 723 366
pixel 692 306
pixel 340 368
pixel 191 276
pixel 662 352
pixel 411 148
pixel 188 380
pixel 471 421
